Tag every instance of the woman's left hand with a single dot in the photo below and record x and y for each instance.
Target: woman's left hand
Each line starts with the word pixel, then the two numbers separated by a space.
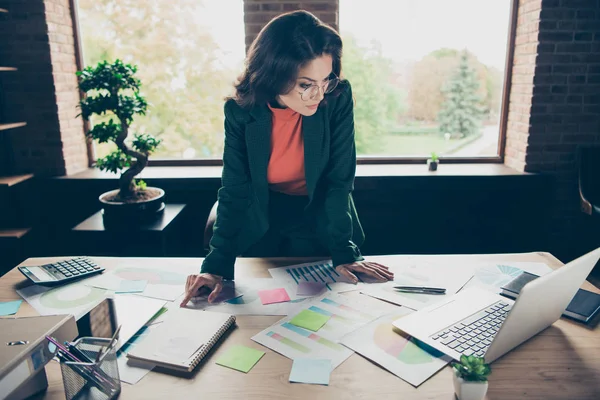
pixel 377 271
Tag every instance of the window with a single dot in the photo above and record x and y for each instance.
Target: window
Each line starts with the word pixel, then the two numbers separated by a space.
pixel 188 53
pixel 427 75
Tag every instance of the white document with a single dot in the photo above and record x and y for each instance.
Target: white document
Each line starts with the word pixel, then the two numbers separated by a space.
pixel 132 371
pixel 291 341
pixel 249 302
pixel 452 277
pixel 167 283
pixel 402 355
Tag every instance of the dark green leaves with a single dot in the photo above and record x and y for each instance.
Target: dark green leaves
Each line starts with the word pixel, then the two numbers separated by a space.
pixel 112 77
pixel 145 143
pixel 105 132
pixel 114 162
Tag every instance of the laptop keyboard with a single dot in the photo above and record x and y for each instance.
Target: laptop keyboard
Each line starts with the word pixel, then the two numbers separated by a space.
pixel 474 334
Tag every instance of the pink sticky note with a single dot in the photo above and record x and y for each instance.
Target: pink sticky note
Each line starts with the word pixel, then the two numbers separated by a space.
pixel 273 296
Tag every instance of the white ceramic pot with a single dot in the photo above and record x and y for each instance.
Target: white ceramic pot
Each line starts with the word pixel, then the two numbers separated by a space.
pixel 469 390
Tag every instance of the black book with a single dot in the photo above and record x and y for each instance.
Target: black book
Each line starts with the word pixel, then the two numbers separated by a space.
pixel 584 306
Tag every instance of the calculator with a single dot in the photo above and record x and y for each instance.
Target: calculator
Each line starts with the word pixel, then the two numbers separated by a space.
pixel 61 271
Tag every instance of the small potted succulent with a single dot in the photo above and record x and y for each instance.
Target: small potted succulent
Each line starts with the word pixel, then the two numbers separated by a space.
pixel 433 161
pixel 470 377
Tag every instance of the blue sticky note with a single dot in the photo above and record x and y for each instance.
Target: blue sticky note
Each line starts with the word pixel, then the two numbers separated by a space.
pixel 10 307
pixel 307 370
pixel 131 286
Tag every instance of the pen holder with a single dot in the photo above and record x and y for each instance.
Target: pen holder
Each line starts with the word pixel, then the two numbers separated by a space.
pixel 97 380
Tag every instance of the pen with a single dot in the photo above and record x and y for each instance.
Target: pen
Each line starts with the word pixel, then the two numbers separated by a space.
pixel 87 370
pixel 421 289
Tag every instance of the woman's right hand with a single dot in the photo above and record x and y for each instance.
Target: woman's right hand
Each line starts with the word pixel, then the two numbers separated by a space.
pixel 196 282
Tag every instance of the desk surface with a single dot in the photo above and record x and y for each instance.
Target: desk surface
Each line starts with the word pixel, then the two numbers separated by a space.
pixel 562 362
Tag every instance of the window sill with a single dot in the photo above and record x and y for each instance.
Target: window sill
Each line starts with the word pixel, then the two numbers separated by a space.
pixel 363 171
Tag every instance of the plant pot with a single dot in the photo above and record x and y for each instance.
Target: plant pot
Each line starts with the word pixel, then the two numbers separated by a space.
pixel 131 213
pixel 466 390
pixel 432 165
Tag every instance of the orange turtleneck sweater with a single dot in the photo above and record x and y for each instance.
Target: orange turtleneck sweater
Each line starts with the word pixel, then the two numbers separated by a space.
pixel 285 172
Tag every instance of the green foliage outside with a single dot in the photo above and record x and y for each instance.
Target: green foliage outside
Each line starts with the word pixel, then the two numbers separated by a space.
pixel 461 112
pixel 185 81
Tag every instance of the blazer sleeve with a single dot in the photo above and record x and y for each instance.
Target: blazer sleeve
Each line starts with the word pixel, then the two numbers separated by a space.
pixel 233 197
pixel 339 181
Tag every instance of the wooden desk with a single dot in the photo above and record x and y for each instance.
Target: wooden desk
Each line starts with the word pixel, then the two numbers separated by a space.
pixel 562 362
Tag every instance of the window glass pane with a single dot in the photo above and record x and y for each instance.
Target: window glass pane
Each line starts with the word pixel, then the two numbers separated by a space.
pixel 427 75
pixel 188 53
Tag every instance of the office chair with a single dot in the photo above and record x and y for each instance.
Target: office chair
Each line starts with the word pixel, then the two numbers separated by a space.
pixel 589 179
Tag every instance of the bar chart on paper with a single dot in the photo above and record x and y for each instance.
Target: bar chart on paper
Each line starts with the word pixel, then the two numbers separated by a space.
pixel 317 272
pixel 293 341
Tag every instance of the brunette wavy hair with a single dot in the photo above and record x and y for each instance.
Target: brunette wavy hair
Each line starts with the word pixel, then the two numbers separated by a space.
pixel 287 43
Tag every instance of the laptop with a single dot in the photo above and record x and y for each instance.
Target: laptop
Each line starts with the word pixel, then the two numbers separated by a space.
pixel 478 322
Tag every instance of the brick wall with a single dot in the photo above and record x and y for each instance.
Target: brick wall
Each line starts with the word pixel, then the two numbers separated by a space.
pixel 37 38
pixel 563 103
pixel 258 12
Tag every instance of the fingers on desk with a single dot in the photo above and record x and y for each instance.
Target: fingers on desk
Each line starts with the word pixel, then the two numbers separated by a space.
pixel 215 292
pixel 194 282
pixel 344 271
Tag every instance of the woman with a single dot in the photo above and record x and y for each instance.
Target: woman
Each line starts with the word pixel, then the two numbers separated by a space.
pixel 289 158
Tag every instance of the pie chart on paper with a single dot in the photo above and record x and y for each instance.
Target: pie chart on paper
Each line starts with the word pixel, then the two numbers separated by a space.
pixel 403 348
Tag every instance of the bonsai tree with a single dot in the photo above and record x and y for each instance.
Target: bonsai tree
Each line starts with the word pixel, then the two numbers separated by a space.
pixel 472 369
pixel 113 90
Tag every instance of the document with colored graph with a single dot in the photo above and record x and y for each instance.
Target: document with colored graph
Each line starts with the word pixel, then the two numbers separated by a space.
pixel 343 315
pixel 318 272
pixel 402 355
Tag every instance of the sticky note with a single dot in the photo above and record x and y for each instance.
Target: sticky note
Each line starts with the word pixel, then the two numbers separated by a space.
pixel 240 358
pixel 310 320
pixel 310 288
pixel 127 286
pixel 306 370
pixel 273 296
pixel 10 307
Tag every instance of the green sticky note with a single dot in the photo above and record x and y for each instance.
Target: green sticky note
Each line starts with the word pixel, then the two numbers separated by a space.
pixel 310 320
pixel 241 358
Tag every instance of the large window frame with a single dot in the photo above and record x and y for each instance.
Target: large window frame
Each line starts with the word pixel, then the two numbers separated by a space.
pixel 499 158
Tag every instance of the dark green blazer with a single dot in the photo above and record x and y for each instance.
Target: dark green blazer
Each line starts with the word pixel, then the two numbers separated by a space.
pixel 330 166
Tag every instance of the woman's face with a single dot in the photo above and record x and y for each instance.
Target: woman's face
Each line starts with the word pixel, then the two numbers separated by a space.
pixel 316 72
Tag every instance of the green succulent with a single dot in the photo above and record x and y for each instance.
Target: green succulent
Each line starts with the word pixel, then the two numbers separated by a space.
pixel 472 368
pixel 434 157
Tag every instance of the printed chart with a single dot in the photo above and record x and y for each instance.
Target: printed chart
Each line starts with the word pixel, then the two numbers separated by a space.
pixel 493 276
pixel 402 355
pixel 295 342
pixel 75 298
pixel 164 284
pixel 319 272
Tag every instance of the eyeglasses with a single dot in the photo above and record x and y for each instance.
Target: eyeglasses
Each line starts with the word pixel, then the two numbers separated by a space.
pixel 313 90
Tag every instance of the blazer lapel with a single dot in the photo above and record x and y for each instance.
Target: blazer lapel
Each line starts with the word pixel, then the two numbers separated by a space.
pixel 258 143
pixel 313 129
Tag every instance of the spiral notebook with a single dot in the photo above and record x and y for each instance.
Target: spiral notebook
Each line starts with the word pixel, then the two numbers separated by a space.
pixel 183 339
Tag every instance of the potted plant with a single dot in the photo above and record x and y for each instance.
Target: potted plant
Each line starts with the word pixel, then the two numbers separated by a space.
pixel 470 377
pixel 433 161
pixel 113 93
